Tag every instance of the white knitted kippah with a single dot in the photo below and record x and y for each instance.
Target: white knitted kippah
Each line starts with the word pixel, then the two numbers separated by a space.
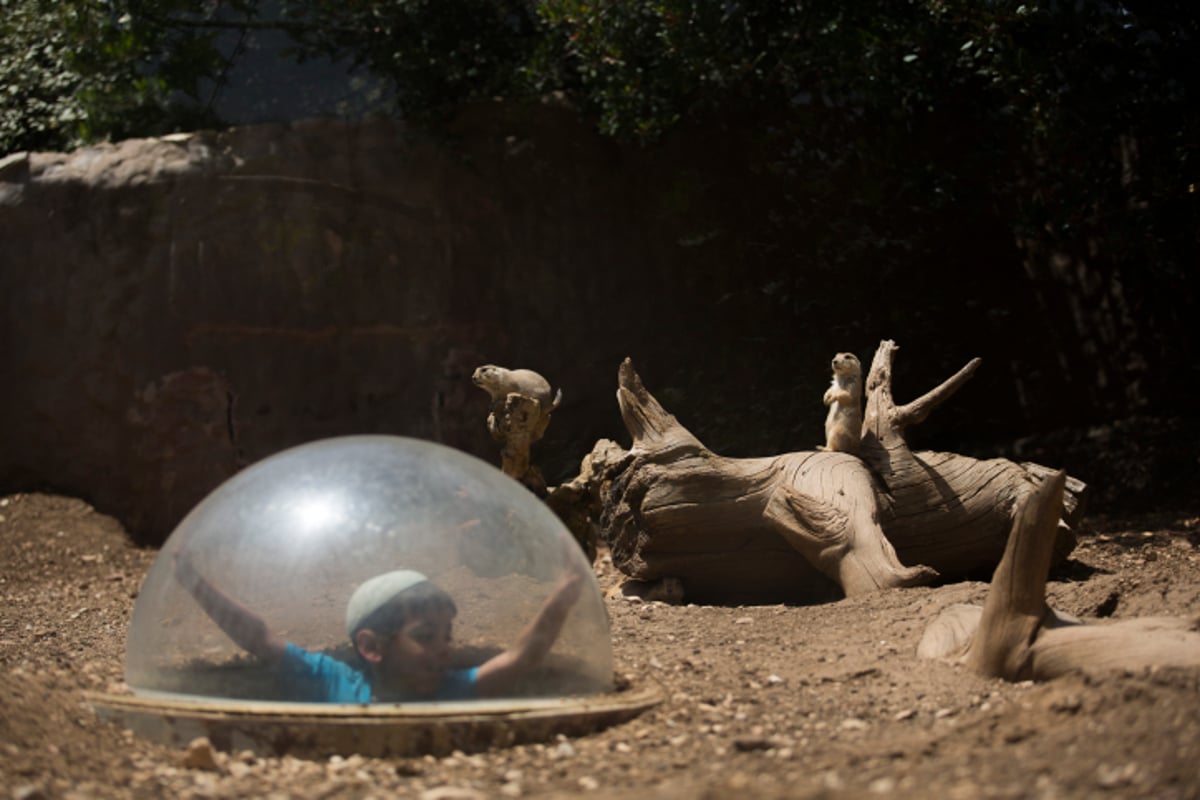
pixel 377 592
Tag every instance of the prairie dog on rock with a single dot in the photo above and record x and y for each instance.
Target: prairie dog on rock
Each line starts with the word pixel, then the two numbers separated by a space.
pixel 843 425
pixel 499 383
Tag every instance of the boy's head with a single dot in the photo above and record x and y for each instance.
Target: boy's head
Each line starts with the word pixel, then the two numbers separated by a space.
pixel 400 624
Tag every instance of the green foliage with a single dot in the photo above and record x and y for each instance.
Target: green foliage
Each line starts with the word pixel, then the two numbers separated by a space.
pixel 1024 81
pixel 884 140
pixel 36 80
pixel 76 71
pixel 876 121
pixel 436 53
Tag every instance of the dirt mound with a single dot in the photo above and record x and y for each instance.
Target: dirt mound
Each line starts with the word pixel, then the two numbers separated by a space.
pixel 761 701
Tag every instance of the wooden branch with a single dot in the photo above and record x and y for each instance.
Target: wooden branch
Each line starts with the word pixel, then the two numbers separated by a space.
pixel 1016 603
pixel 950 512
pixel 1017 636
pixel 915 412
pixel 884 419
pixel 652 428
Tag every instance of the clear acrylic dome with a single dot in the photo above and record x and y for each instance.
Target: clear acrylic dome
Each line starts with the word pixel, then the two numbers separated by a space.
pixel 289 540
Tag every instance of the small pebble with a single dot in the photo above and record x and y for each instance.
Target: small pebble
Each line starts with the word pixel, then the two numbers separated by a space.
pixel 199 755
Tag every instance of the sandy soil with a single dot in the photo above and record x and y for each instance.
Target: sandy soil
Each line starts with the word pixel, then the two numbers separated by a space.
pixel 761 702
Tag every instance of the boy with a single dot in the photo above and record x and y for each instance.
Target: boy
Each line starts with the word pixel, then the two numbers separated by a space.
pixel 400 625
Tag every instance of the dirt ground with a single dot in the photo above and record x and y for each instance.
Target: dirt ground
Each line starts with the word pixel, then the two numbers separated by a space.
pixel 760 701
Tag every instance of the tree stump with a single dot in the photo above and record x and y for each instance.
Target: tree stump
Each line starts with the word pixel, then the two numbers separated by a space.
pixel 516 424
pixel 812 525
pixel 520 414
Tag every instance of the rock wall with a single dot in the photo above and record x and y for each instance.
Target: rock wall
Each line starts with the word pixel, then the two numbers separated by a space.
pixel 174 309
pixel 177 308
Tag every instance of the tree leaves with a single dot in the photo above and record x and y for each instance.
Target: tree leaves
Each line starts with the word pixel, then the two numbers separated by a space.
pixel 78 71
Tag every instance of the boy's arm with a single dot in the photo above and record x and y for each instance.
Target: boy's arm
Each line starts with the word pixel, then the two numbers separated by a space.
pixel 247 629
pixel 501 671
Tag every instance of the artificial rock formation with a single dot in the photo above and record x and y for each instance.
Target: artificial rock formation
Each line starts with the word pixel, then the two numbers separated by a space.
pixel 807 526
pixel 174 309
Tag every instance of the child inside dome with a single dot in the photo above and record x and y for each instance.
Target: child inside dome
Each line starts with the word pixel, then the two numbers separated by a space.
pixel 400 624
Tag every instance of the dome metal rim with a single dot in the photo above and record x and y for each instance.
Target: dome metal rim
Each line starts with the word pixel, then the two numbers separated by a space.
pixel 375 730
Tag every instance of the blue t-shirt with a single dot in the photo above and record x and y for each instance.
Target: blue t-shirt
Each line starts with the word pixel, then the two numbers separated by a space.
pixel 318 678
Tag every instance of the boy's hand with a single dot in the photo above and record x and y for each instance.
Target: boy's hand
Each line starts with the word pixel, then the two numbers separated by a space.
pixel 498 673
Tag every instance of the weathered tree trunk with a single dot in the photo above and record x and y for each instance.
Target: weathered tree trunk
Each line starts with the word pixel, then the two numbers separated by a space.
pixel 675 499
pixel 801 526
pixel 577 502
pixel 1017 636
pixel 946 510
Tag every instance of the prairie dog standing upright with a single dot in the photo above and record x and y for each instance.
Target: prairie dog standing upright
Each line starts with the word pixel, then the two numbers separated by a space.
pixel 843 425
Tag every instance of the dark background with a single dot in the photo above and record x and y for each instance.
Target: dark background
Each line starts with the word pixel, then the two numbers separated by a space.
pixel 727 200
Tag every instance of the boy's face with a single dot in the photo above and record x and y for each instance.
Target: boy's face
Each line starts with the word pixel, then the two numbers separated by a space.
pixel 415 657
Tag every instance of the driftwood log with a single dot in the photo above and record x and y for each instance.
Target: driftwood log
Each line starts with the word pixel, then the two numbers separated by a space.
pixel 808 526
pixel 1015 635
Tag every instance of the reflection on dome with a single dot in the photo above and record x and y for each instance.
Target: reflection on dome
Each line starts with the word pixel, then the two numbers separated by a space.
pixel 484 594
pixel 312 514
